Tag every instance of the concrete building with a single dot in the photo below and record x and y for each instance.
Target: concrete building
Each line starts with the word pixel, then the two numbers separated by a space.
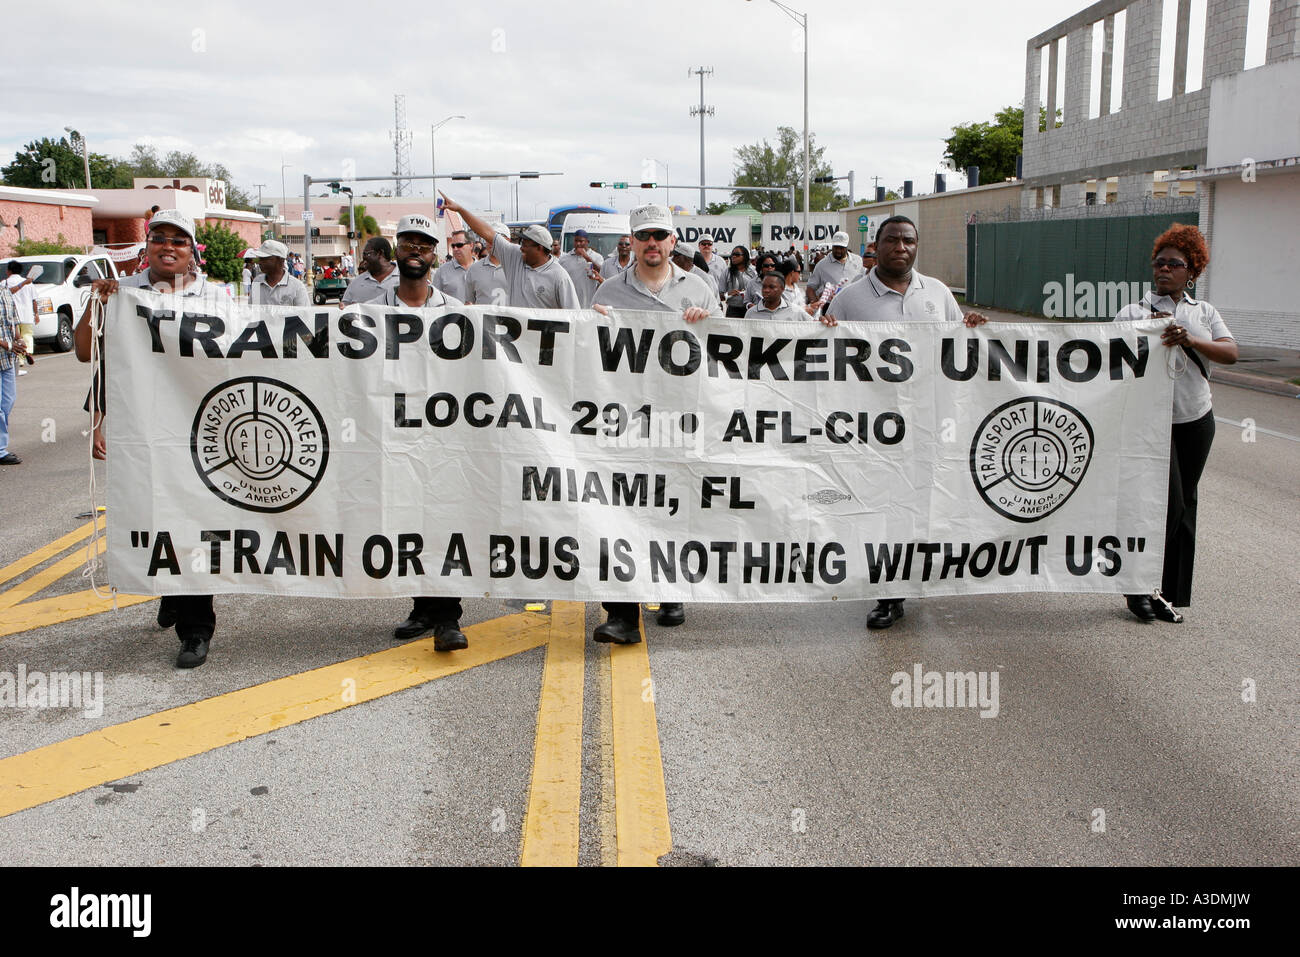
pixel 1147 114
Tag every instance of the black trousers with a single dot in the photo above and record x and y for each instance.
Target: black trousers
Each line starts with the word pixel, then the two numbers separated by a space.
pixel 625 610
pixel 194 615
pixel 436 609
pixel 1189 449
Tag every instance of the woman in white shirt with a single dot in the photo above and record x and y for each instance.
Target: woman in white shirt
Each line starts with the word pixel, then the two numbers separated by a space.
pixel 1197 332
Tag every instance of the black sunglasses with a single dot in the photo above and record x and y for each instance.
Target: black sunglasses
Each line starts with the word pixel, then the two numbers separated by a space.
pixel 642 235
pixel 1169 263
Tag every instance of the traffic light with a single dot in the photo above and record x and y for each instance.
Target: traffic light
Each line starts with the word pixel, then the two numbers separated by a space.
pixel 530 174
pixel 649 185
pixel 824 179
pixel 597 185
pixel 334 188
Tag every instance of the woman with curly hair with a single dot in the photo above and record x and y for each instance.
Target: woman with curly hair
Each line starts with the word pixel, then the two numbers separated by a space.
pixel 1196 332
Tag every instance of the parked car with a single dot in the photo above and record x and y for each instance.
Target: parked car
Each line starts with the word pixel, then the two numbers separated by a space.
pixel 61 291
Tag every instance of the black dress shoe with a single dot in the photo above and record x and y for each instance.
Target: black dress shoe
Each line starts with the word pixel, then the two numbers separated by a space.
pixel 620 631
pixel 1140 605
pixel 671 614
pixel 885 614
pixel 413 627
pixel 1166 613
pixel 194 651
pixel 166 615
pixel 447 636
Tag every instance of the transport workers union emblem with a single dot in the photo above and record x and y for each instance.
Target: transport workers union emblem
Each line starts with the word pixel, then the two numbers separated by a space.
pixel 259 443
pixel 1029 455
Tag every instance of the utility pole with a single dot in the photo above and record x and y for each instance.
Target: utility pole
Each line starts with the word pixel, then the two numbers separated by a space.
pixel 401 145
pixel 701 111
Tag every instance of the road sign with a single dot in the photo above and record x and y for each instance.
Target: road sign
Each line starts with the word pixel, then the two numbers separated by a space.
pixel 308 215
pixel 618 185
pixel 862 222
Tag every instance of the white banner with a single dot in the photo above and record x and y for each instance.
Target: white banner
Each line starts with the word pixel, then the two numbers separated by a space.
pixel 555 454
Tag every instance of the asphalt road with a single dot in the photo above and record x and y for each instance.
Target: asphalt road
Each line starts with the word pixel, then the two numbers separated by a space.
pixel 779 743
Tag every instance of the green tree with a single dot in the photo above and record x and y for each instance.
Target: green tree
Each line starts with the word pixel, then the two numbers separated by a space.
pixel 716 209
pixel 369 225
pixel 993 147
pixel 762 164
pixel 57 164
pixel 222 247
pixel 44 247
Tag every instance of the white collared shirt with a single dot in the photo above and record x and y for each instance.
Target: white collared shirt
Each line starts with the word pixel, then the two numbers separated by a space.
pixel 287 292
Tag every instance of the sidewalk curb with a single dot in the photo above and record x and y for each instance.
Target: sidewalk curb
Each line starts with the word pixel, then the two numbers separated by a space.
pixel 1259 383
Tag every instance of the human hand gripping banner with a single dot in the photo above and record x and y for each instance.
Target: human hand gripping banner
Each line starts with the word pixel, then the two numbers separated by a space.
pixel 542 454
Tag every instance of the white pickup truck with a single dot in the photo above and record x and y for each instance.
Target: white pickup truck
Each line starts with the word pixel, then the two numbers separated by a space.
pixel 60 291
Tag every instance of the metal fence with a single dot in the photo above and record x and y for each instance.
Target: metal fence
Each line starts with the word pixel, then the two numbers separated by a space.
pixel 1013 264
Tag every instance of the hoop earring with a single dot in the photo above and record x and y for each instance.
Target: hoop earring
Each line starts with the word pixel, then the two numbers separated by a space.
pixel 1191 284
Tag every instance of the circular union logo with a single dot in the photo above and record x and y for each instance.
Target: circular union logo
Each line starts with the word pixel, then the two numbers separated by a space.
pixel 259 443
pixel 1029 456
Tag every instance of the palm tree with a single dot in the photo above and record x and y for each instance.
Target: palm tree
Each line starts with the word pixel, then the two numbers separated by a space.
pixel 369 226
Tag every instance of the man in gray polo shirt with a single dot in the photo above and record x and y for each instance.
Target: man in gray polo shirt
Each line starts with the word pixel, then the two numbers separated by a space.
pixel 487 277
pixel 717 264
pixel 894 291
pixel 273 285
pixel 380 273
pixel 580 264
pixel 534 280
pixel 773 304
pixel 838 266
pixel 452 276
pixel 614 265
pixel 655 284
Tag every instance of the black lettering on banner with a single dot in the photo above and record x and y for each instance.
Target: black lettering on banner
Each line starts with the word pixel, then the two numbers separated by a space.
pixel 1091 351
pixel 472 402
pixel 456 558
pixel 612 353
pixel 625 567
pixel 891 352
pixel 724 351
pixel 761 357
pixel 153 318
pixel 409 546
pixel 163 556
pixel 804 359
pixel 281 556
pixel 295 331
pixel 215 537
pixel 580 427
pixel 255 336
pixel 666 360
pixel 852 354
pixel 213 329
pixel 566 554
pixel 947 360
pixel 501 549
pixel 384 565
pixel 1019 364
pixel 357 326
pixel 501 331
pixel 1081 564
pixel 444 419
pixel 1121 355
pixel 890 563
pixel 437 334
pixel 246 544
pixel 400 328
pixel 400 421
pixel 546 346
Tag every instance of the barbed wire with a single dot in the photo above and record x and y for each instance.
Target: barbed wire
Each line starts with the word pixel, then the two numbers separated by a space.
pixel 1150 205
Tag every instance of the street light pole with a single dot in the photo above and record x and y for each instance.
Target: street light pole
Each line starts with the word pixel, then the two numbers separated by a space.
pixel 802 20
pixel 280 210
pixel 433 146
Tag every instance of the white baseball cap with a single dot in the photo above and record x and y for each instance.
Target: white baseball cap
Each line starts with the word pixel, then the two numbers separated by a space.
pixel 173 217
pixel 415 223
pixel 840 239
pixel 540 235
pixel 272 248
pixel 686 249
pixel 501 229
pixel 650 216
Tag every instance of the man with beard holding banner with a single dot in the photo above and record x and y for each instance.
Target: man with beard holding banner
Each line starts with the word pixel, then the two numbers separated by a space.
pixel 417 244
pixel 893 291
pixel 171 252
pixel 653 283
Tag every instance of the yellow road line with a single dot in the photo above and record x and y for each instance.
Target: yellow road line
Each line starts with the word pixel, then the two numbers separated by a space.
pixel 51 611
pixel 640 799
pixel 109 754
pixel 555 793
pixel 47 577
pixel 14 569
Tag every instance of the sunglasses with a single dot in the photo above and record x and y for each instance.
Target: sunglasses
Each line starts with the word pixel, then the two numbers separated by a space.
pixel 624 245
pixel 642 235
pixel 1169 264
pixel 407 246
pixel 458 245
pixel 157 239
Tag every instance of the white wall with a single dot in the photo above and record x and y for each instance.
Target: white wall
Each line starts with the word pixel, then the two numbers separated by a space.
pixel 1253 114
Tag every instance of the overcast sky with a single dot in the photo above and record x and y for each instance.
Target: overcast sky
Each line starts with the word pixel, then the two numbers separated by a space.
pixel 589 90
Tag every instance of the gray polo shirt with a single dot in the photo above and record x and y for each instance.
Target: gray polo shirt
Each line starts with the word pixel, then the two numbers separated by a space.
pixel 611 267
pixel 680 292
pixel 832 271
pixel 451 278
pixel 365 288
pixel 287 292
pixel 435 299
pixel 718 266
pixel 140 280
pixel 872 301
pixel 487 284
pixel 1191 389
pixel 786 311
pixel 579 270
pixel 546 287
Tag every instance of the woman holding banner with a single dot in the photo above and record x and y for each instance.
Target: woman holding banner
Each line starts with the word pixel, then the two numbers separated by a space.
pixel 1195 332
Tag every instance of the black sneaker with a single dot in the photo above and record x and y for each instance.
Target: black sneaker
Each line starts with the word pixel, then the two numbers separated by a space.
pixel 10 459
pixel 885 614
pixel 671 614
pixel 194 651
pixel 620 631
pixel 447 636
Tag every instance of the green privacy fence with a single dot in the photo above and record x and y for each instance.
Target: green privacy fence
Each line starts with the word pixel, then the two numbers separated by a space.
pixel 1010 264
